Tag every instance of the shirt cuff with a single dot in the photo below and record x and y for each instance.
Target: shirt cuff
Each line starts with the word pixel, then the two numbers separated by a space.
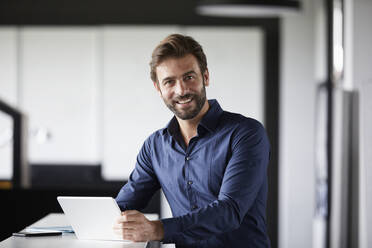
pixel 172 227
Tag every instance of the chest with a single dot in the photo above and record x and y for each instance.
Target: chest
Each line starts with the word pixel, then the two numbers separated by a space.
pixel 200 166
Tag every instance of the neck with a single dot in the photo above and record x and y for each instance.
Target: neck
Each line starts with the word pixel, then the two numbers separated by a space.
pixel 189 127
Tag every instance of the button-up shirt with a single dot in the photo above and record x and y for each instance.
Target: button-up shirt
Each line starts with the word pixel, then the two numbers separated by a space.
pixel 216 186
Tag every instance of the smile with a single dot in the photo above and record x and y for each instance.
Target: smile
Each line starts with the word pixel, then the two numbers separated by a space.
pixel 184 102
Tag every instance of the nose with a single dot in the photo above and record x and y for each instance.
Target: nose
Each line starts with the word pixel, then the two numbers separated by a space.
pixel 180 88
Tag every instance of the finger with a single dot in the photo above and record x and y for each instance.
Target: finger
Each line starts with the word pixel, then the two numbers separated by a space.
pixel 128 218
pixel 124 231
pixel 124 218
pixel 121 226
pixel 127 225
pixel 128 237
pixel 131 225
pixel 130 212
pixel 131 215
pixel 124 235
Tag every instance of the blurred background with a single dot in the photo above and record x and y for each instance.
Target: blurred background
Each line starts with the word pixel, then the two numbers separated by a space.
pixel 77 103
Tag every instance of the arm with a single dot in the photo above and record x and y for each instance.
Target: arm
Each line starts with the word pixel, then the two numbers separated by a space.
pixel 244 176
pixel 142 183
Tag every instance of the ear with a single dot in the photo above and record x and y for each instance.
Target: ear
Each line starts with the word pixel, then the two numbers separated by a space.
pixel 206 77
pixel 157 87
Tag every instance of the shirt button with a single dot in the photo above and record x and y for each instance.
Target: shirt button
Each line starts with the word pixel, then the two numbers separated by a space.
pixel 189 182
pixel 188 158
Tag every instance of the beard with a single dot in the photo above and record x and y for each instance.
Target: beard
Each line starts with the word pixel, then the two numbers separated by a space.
pixel 190 113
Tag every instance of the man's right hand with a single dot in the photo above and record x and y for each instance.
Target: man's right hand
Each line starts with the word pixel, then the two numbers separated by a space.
pixel 133 225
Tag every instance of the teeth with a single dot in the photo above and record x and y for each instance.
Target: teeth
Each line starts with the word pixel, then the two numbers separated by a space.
pixel 189 100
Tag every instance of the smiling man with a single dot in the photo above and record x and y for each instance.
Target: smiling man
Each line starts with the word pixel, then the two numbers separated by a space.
pixel 210 164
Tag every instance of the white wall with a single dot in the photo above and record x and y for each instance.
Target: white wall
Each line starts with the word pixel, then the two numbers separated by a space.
pixel 58 93
pixel 362 79
pixel 235 63
pixel 297 112
pixel 132 109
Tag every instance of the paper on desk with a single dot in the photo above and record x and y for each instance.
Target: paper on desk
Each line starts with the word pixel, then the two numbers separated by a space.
pixel 63 229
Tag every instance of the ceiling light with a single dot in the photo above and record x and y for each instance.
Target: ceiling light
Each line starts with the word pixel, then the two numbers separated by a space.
pixel 247 8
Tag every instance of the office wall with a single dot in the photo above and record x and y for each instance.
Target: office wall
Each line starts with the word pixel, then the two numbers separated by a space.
pixel 297 130
pixel 362 81
pixel 132 109
pixel 58 92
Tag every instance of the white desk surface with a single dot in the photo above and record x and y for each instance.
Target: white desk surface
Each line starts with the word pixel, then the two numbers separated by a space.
pixel 67 240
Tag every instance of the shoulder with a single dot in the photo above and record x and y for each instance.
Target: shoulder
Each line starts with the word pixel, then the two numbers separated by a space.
pixel 240 123
pixel 157 137
pixel 150 143
pixel 243 129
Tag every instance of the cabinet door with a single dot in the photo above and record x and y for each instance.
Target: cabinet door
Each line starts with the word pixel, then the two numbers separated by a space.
pixel 58 74
pixel 132 107
pixel 235 62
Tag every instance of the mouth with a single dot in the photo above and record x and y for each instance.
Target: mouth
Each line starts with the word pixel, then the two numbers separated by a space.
pixel 185 104
pixel 185 101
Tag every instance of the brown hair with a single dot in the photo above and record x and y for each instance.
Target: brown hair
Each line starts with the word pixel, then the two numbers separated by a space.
pixel 177 46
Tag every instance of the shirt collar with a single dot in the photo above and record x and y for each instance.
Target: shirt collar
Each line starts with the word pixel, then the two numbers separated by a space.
pixel 209 120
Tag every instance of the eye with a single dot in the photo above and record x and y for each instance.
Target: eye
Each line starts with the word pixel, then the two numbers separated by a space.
pixel 188 77
pixel 168 82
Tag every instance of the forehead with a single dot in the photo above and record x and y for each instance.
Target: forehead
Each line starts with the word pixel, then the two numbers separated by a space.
pixel 173 67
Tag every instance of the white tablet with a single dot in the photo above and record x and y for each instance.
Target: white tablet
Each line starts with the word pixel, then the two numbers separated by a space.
pixel 91 217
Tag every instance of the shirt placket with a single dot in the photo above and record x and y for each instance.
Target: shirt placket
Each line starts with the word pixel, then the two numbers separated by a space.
pixel 188 179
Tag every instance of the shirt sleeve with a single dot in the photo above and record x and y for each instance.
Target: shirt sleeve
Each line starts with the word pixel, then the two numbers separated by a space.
pixel 142 183
pixel 244 176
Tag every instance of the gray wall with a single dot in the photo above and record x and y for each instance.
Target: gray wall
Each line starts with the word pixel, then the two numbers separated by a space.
pixel 297 112
pixel 362 79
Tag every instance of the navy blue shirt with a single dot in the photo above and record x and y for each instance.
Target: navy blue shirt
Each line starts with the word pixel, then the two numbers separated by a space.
pixel 216 186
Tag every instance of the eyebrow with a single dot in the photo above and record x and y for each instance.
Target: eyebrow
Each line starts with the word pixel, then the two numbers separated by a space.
pixel 185 74
pixel 189 72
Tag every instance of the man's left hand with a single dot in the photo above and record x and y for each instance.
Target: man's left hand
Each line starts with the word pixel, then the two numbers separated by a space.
pixel 133 225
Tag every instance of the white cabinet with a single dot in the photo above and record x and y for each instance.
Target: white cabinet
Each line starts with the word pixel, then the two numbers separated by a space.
pixel 59 84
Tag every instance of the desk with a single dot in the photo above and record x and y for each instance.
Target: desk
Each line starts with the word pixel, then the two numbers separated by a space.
pixel 67 240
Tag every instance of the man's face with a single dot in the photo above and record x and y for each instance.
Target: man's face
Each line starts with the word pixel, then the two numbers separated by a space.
pixel 182 86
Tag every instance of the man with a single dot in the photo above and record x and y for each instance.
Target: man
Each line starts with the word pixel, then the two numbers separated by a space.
pixel 210 164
